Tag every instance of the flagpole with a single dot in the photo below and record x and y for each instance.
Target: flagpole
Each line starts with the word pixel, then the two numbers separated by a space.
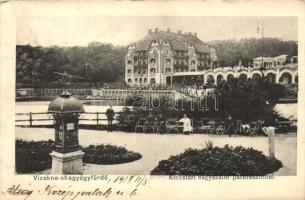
pixel 262 46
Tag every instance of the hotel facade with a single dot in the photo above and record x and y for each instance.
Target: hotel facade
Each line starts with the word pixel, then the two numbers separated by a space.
pixel 161 54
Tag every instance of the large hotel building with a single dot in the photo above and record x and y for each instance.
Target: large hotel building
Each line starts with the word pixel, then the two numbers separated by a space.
pixel 159 55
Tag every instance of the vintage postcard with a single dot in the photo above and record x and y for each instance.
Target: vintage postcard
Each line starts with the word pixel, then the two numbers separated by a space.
pixel 152 100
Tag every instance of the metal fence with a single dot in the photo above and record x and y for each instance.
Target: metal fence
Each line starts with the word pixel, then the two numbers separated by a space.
pixel 43 119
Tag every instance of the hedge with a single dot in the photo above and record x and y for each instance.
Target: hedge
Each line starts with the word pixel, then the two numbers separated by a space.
pixel 31 156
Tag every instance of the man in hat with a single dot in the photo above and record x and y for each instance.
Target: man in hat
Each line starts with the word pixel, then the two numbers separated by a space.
pixel 110 116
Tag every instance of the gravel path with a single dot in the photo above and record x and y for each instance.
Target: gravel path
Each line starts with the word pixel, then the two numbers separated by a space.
pixel 154 147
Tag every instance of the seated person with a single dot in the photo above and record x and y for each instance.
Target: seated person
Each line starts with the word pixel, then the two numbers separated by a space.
pixel 161 122
pixel 187 124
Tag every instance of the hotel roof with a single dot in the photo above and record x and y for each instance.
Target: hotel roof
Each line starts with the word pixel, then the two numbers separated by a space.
pixel 178 41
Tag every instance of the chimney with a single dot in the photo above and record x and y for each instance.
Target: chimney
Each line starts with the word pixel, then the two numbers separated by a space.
pixel 195 34
pixel 149 31
pixel 156 30
pixel 168 30
pixel 179 32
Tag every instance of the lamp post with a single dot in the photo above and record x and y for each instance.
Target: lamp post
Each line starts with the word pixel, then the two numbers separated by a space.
pixel 66 156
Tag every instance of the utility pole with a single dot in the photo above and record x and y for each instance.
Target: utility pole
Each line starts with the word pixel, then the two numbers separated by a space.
pixel 262 44
pixel 160 59
pixel 86 75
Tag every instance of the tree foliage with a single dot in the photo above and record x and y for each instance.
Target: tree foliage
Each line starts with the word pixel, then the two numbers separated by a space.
pixel 249 100
pixel 97 62
pixel 231 51
pixel 104 63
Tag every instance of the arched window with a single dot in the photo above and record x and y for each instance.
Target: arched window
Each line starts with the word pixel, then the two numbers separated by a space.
pixel 152 61
pixel 152 81
pixel 193 70
pixel 219 78
pixel 210 80
pixel 286 78
pixel 193 62
pixel 167 70
pixel 129 80
pixel 168 61
pixel 271 77
pixel 129 62
pixel 153 70
pixel 129 71
pixel 256 76
pixel 135 80
pixel 145 80
pixel 230 77
pixel 243 76
pixel 140 80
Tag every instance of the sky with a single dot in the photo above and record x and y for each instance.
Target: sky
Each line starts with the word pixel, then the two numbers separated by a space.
pixel 123 30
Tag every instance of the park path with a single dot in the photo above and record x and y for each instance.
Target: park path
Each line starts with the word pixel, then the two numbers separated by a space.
pixel 154 147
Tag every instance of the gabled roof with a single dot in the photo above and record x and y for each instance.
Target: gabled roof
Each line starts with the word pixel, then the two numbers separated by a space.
pixel 178 45
pixel 177 41
pixel 143 45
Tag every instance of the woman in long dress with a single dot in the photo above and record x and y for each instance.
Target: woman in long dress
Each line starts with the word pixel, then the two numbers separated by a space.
pixel 187 124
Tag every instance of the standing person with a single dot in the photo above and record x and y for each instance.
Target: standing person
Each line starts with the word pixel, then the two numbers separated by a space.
pixel 187 124
pixel 110 115
pixel 229 126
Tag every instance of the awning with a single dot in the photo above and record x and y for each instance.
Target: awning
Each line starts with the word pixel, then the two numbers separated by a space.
pixel 188 73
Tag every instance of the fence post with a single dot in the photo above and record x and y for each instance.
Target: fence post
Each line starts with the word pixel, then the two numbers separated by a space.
pixel 30 115
pixel 270 131
pixel 271 134
pixel 97 120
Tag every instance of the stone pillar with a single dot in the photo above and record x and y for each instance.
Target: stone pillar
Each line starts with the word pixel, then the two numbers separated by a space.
pixel 293 78
pixel 67 163
pixel 270 131
pixel 249 73
pixel 277 75
pixel 206 80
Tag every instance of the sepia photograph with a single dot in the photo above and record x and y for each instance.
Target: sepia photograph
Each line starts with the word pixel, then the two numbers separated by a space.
pixel 156 95
pixel 141 100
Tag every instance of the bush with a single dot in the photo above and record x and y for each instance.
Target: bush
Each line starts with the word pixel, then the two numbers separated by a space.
pixel 108 154
pixel 216 161
pixel 33 156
